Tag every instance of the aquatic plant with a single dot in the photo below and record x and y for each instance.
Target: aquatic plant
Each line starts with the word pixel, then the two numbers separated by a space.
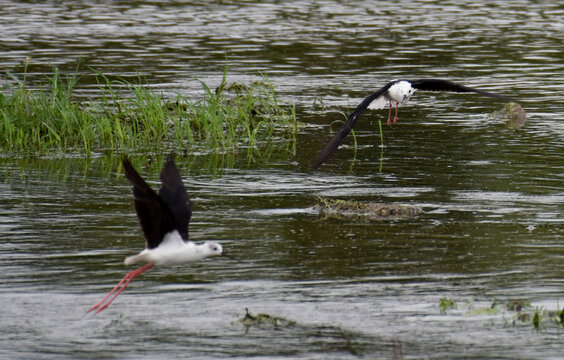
pixel 512 114
pixel 263 320
pixel 560 316
pixel 522 312
pixel 130 116
pixel 538 317
pixel 347 209
pixel 517 305
pixel 36 120
pixel 445 304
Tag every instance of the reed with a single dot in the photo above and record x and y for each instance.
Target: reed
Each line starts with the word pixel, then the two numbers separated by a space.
pixel 127 116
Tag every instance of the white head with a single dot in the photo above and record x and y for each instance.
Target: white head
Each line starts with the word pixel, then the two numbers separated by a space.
pixel 401 91
pixel 212 248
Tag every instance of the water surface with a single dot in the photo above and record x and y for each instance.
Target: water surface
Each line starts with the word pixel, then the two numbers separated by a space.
pixel 492 198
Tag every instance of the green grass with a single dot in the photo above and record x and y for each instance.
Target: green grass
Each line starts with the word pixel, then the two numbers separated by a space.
pixel 446 304
pixel 124 116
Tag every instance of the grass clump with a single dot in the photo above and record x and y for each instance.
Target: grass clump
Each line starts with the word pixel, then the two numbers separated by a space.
pixel 125 116
pixel 347 209
pixel 44 119
pixel 227 122
pixel 446 304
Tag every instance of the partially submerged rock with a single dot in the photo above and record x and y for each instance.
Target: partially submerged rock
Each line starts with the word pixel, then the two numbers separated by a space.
pixel 512 114
pixel 264 320
pixel 371 211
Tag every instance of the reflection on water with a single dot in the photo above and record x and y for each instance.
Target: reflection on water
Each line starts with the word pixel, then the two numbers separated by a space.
pixel 492 198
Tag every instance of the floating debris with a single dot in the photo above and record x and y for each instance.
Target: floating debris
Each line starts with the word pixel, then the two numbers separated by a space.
pixel 513 115
pixel 371 211
pixel 264 321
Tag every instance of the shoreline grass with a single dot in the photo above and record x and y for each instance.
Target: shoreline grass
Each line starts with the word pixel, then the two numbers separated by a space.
pixel 130 116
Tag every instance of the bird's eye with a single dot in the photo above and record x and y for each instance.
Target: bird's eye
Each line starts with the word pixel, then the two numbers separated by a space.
pixel 215 248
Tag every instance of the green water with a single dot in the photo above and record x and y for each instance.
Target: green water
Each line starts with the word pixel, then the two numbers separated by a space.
pixel 492 198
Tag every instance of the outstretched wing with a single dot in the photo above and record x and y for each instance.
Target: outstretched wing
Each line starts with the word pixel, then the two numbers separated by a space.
pixel 347 127
pixel 445 85
pixel 154 215
pixel 174 195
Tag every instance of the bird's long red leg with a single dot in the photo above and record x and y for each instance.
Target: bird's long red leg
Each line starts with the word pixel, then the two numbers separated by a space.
pixel 134 274
pixel 390 114
pixel 396 115
pixel 127 279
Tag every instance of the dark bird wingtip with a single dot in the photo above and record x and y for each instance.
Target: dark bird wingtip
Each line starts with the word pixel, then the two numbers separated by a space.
pixel 320 160
pixel 127 166
pixel 125 160
pixel 315 166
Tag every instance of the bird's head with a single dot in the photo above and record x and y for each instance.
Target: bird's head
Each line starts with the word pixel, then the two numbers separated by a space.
pixel 405 90
pixel 215 248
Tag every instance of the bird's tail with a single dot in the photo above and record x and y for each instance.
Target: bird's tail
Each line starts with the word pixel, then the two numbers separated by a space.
pixel 135 259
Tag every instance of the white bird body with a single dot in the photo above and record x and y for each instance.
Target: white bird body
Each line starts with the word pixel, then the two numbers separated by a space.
pixel 173 250
pixel 164 219
pixel 399 93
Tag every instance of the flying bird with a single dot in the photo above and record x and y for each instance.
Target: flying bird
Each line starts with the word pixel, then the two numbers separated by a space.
pixel 164 219
pixel 394 93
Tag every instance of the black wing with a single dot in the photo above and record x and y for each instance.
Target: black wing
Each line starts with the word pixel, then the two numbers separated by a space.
pixel 445 85
pixel 154 215
pixel 174 195
pixel 347 127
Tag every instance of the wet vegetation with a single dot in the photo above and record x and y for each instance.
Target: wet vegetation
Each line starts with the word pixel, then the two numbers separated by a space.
pixel 48 119
pixel 520 312
pixel 512 114
pixel 446 304
pixel 263 320
pixel 347 209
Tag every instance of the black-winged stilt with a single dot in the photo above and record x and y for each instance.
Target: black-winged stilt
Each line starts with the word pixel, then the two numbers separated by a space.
pixel 398 92
pixel 164 218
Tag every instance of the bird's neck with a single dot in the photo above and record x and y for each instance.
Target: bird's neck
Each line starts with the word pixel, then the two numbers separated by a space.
pixel 201 250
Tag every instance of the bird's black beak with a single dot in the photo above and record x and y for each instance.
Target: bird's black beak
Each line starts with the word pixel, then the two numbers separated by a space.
pixel 229 256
